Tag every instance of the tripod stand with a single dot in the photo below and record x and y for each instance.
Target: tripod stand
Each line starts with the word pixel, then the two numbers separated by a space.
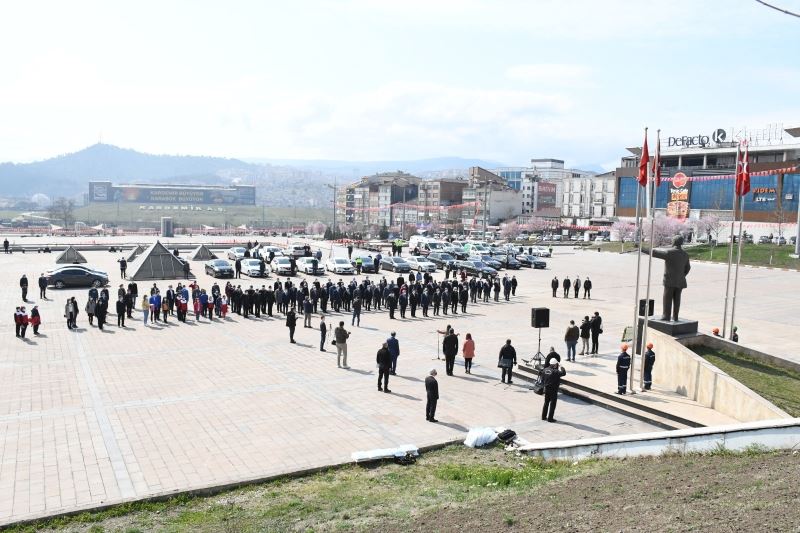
pixel 538 358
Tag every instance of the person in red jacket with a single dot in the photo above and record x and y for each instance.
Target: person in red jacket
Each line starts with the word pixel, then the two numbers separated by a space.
pixel 23 318
pixel 36 319
pixel 17 321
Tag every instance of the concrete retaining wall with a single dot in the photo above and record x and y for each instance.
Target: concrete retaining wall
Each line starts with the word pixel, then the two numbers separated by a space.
pixel 681 370
pixel 718 343
pixel 774 435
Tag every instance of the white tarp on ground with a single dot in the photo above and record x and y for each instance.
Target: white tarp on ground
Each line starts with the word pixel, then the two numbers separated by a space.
pixel 70 256
pixel 157 263
pixel 202 253
pixel 385 453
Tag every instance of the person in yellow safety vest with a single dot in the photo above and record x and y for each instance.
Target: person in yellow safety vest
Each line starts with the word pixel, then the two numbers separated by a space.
pixel 359 263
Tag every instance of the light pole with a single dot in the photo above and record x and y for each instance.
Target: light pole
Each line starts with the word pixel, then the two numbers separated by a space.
pixel 328 185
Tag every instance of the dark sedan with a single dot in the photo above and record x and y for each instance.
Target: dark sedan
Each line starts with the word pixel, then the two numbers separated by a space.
pixel 531 261
pixel 476 268
pixel 441 259
pixel 367 263
pixel 219 268
pixel 76 276
pixel 508 261
pixel 395 264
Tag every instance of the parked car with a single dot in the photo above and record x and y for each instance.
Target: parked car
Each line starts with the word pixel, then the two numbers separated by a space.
pixel 456 251
pixel 531 261
pixel 541 251
pixel 395 264
pixel 237 252
pixel 441 259
pixel 367 262
pixel 252 268
pixel 476 268
pixel 281 265
pixel 220 268
pixel 306 266
pixel 508 261
pixel 421 264
pixel 488 260
pixel 780 241
pixel 339 265
pixel 265 250
pixel 296 249
pixel 601 238
pixel 764 239
pixel 76 276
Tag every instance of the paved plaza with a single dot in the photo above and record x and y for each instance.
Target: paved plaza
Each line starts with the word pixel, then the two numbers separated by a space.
pixel 90 417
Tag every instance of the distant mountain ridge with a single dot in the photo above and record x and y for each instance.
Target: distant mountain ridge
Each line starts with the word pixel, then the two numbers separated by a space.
pixel 68 174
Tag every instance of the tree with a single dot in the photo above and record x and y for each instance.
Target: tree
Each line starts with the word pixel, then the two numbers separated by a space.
pixel 780 218
pixel 510 231
pixel 409 231
pixel 383 233
pixel 62 210
pixel 664 230
pixel 710 225
pixel 316 228
pixel 625 230
pixel 328 234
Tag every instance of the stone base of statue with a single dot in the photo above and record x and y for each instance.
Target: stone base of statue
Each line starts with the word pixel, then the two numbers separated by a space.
pixel 681 328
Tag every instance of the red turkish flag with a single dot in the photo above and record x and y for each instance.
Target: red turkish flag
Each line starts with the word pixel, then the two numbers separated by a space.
pixel 657 164
pixel 642 179
pixel 743 173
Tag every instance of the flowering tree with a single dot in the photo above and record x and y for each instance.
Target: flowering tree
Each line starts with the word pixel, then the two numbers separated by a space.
pixel 664 230
pixel 625 230
pixel 510 231
pixel 316 228
pixel 709 225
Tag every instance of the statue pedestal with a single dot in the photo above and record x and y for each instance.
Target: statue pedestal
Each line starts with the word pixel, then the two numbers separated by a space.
pixel 681 328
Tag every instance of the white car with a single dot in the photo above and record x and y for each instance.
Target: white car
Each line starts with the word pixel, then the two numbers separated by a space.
pixel 306 266
pixel 339 265
pixel 296 249
pixel 281 265
pixel 420 264
pixel 237 252
pixel 265 250
pixel 252 268
pixel 541 251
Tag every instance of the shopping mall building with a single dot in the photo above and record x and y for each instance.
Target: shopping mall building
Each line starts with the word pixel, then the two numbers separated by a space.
pixel 707 159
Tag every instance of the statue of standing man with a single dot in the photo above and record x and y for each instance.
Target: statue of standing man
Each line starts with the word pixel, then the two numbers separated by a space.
pixel 676 266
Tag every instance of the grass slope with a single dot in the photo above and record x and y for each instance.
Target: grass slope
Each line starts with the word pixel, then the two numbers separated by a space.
pixel 752 254
pixel 778 385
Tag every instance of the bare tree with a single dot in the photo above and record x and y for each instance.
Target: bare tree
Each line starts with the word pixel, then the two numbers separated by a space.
pixel 780 218
pixel 62 210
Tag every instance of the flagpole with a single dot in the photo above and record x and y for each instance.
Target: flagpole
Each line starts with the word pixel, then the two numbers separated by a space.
pixel 730 248
pixel 738 260
pixel 651 184
pixel 638 262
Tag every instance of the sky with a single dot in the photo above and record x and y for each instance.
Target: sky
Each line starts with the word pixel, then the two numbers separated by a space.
pixel 388 80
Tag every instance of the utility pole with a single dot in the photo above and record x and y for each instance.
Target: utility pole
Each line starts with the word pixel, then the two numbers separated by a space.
pixel 333 232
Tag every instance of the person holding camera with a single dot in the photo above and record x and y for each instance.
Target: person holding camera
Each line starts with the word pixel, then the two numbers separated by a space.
pixel 551 379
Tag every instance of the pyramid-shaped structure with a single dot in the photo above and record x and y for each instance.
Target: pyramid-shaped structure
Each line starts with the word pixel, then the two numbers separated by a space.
pixel 157 263
pixel 202 253
pixel 70 256
pixel 136 252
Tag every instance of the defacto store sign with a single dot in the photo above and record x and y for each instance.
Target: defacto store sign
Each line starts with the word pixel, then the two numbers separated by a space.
pixel 700 141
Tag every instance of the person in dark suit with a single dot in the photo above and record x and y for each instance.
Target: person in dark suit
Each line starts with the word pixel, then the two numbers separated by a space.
pixel 507 360
pixel 432 392
pixel 384 360
pixel 676 267
pixel 450 350
pixel 551 377
pixel 554 286
pixel 566 284
pixel 587 288
pixel 596 328
pixel 291 323
pixel 42 287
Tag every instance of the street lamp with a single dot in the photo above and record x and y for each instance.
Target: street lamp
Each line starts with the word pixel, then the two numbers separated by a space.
pixel 328 185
